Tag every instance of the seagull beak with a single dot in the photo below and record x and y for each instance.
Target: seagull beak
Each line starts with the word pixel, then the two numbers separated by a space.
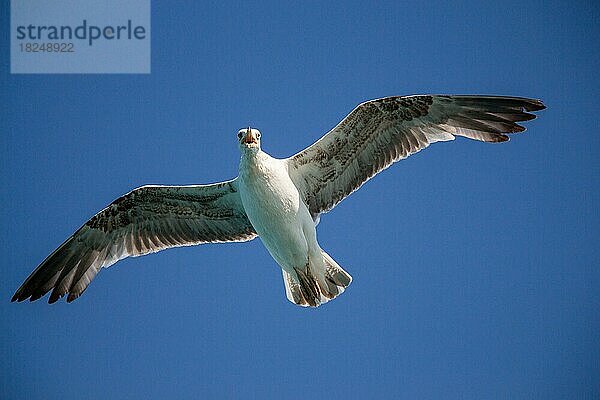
pixel 249 138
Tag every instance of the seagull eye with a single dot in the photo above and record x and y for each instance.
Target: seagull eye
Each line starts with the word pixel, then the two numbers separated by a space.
pixel 240 135
pixel 258 135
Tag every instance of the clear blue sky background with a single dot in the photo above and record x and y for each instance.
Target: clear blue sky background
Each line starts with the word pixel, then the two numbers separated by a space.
pixel 475 266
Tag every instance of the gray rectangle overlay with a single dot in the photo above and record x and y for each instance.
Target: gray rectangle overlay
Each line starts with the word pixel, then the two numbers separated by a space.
pixel 80 36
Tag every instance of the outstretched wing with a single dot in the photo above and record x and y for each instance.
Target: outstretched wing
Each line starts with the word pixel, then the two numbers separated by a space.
pixel 379 132
pixel 146 220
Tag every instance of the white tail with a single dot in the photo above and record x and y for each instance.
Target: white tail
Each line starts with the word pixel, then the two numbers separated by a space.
pixel 305 289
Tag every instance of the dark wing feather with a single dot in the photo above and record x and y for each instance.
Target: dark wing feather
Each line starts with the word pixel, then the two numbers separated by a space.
pixel 379 132
pixel 146 220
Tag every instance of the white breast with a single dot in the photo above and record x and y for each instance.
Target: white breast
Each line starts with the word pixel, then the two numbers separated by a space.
pixel 274 208
pixel 268 194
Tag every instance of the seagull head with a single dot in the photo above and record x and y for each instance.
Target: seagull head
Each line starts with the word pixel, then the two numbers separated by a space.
pixel 249 138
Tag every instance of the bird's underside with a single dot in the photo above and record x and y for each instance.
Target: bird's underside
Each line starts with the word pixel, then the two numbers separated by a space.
pixel 374 135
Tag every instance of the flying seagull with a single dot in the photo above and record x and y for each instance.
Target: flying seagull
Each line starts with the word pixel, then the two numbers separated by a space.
pixel 278 200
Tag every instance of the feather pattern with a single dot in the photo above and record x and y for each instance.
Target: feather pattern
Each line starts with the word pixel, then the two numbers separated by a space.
pixel 379 132
pixel 146 220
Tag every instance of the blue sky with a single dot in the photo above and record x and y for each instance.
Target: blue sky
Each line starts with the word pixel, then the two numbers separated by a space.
pixel 475 266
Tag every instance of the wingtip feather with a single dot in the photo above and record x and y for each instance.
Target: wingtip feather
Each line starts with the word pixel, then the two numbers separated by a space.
pixel 535 105
pixel 54 297
pixel 72 297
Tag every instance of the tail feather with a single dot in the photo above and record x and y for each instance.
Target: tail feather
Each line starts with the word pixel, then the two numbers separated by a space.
pixel 309 288
pixel 335 273
pixel 305 289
